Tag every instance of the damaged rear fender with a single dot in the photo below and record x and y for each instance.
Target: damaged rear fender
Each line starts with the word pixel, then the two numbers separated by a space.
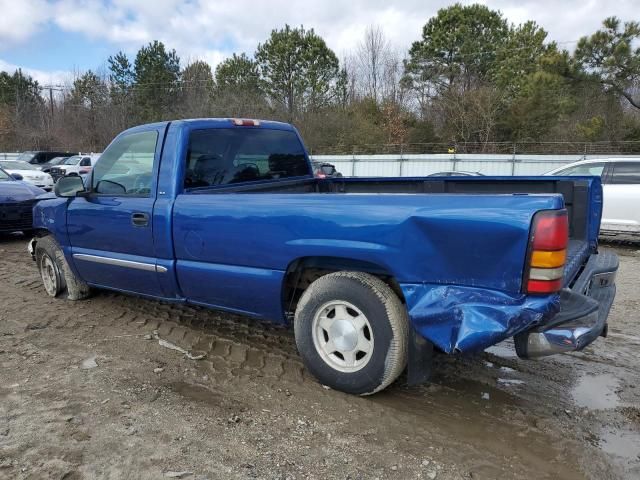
pixel 470 319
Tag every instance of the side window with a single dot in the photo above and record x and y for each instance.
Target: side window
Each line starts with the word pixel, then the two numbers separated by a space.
pixel 85 162
pixel 126 167
pixel 625 173
pixel 586 169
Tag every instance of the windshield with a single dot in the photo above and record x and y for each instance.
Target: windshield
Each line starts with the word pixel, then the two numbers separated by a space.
pixel 56 161
pixel 16 165
pixel 26 156
pixel 4 176
pixel 588 169
pixel 72 160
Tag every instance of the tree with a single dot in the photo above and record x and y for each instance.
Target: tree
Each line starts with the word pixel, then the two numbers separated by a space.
pixel 121 76
pixel 298 72
pixel 543 98
pixel 238 72
pixel 470 115
pixel 22 110
pixel 608 55
pixel 87 103
pixel 458 48
pixel 156 73
pixel 121 80
pixel 18 88
pixel 536 80
pixel 197 87
pixel 519 55
pixel 238 90
pixel 371 59
pixel 89 91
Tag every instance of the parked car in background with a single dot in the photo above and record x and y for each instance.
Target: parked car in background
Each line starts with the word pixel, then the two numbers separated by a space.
pixel 45 167
pixel 75 165
pixel 374 274
pixel 29 173
pixel 455 174
pixel 17 199
pixel 324 170
pixel 621 190
pixel 39 157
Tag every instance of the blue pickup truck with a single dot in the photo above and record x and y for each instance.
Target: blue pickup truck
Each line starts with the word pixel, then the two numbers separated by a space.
pixel 374 274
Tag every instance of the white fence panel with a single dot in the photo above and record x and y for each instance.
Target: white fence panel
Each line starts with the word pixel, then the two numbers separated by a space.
pixel 420 168
pixel 418 165
pixel 8 156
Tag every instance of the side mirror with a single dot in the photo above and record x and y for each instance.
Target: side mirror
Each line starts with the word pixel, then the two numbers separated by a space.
pixel 69 186
pixel 16 176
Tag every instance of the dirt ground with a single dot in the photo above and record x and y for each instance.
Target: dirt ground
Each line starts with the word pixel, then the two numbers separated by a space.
pixel 87 390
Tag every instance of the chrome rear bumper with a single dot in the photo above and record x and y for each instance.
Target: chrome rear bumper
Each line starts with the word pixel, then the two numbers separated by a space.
pixel 583 312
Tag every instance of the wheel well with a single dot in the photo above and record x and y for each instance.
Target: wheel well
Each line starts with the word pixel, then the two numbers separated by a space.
pixel 304 271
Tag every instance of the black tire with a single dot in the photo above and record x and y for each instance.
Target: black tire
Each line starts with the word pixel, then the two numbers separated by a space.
pixel 386 316
pixel 51 263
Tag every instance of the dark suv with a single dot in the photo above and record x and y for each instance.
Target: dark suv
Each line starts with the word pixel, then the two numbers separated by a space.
pixel 39 157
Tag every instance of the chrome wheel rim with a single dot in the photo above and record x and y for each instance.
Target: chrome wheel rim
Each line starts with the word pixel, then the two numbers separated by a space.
pixel 342 336
pixel 49 275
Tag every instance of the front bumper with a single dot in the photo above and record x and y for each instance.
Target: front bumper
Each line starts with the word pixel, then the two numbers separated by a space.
pixel 582 318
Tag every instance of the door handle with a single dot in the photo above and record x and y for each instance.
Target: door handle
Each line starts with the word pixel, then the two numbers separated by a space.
pixel 139 219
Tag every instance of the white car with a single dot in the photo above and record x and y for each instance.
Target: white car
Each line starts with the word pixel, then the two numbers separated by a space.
pixel 621 189
pixel 76 165
pixel 29 173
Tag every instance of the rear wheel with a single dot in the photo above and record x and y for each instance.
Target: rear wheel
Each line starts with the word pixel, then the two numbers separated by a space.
pixel 57 277
pixel 352 332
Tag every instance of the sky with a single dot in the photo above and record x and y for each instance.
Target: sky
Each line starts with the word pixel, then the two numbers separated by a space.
pixel 53 40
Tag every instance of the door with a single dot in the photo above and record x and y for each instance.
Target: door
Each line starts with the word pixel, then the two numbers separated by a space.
pixel 621 192
pixel 110 228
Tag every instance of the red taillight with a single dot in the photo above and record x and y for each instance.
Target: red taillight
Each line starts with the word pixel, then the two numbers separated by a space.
pixel 550 231
pixel 547 252
pixel 243 122
pixel 544 286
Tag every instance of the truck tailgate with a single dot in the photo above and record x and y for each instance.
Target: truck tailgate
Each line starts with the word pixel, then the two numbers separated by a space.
pixel 577 254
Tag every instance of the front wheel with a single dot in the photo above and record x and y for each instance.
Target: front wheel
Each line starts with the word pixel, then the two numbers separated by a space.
pixel 57 277
pixel 351 330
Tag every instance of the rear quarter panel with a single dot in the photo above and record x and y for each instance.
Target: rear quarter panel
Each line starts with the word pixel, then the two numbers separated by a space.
pixel 232 250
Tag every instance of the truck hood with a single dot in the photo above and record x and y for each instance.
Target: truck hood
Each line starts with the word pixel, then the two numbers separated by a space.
pixel 28 173
pixel 17 191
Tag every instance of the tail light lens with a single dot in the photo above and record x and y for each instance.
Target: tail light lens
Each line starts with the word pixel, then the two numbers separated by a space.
pixel 547 252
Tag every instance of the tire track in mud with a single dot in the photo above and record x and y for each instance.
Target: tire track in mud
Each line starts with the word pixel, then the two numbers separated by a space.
pixel 233 344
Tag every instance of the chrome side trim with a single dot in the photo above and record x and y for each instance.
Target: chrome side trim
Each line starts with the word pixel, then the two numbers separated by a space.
pixel 148 267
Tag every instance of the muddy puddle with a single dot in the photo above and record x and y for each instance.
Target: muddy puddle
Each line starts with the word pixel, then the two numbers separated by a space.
pixel 624 444
pixel 482 418
pixel 596 392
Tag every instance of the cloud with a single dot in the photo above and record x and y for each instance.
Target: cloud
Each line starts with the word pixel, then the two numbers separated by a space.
pixel 19 20
pixel 54 77
pixel 213 29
